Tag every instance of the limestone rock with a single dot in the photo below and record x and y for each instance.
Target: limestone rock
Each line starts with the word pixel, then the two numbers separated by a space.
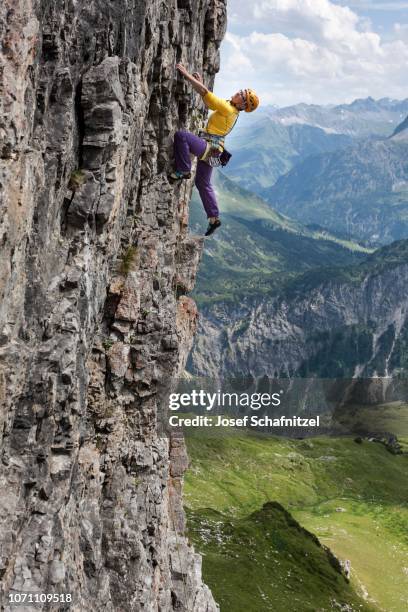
pixel 89 347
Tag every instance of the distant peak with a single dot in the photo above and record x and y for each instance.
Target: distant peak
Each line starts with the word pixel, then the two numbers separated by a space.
pixel 402 127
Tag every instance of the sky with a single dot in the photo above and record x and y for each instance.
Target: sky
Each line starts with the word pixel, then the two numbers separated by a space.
pixel 315 51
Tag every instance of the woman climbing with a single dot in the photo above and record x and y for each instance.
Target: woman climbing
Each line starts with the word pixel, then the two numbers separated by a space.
pixel 208 146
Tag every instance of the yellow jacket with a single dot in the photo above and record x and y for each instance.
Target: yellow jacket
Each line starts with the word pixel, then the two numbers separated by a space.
pixel 222 120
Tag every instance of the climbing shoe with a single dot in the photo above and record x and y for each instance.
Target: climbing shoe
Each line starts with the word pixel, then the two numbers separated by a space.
pixel 177 175
pixel 212 227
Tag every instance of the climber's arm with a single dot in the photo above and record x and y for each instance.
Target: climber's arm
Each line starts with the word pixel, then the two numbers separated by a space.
pixel 215 103
pixel 197 83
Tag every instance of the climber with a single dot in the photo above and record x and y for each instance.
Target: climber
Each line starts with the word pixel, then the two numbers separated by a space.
pixel 208 146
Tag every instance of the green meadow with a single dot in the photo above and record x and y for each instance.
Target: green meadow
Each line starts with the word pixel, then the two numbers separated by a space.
pixel 262 511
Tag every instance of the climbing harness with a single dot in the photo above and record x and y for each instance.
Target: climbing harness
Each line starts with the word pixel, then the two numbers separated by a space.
pixel 214 149
pixel 215 153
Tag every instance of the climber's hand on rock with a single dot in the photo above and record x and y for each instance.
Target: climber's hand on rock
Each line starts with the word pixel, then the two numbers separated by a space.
pixel 181 68
pixel 197 83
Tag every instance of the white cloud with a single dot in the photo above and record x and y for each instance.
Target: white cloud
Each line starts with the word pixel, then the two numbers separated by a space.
pixel 319 19
pixel 401 31
pixel 377 6
pixel 313 50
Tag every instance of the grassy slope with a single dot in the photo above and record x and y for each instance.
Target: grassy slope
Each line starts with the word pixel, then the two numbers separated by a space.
pixel 236 474
pixel 257 249
pixel 267 561
pixel 273 149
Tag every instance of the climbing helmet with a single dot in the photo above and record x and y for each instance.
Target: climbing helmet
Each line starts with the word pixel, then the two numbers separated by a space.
pixel 251 100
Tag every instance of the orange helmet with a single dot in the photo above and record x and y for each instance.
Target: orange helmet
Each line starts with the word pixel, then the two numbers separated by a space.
pixel 252 100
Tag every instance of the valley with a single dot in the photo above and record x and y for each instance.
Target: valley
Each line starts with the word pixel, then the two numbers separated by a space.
pixel 306 279
pixel 240 489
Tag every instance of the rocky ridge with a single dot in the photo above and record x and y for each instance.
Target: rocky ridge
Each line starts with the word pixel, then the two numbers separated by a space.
pixel 338 323
pixel 95 323
pixel 360 191
pixel 401 129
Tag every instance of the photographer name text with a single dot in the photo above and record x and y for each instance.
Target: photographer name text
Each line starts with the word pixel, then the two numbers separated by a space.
pixel 246 421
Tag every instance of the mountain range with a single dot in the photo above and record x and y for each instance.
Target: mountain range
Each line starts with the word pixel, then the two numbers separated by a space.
pixel 292 287
pixel 334 322
pixel 287 289
pixel 257 250
pixel 362 117
pixel 360 191
pixel 269 144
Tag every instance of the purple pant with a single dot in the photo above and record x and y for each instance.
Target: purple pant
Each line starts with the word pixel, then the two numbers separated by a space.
pixel 184 144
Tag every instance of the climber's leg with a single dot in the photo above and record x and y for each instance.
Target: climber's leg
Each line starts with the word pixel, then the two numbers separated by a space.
pixel 207 194
pixel 186 143
pixel 206 190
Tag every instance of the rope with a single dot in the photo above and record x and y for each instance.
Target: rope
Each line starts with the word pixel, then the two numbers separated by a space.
pixel 178 242
pixel 177 261
pixel 186 599
pixel 173 524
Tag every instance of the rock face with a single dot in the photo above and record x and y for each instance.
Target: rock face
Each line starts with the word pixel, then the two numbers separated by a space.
pixel 94 323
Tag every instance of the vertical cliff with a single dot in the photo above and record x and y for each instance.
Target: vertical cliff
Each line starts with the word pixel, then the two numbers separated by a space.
pixel 94 321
